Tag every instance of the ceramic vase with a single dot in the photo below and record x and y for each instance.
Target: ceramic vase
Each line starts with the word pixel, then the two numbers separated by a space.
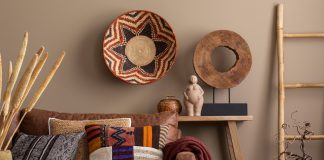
pixel 170 103
pixel 5 155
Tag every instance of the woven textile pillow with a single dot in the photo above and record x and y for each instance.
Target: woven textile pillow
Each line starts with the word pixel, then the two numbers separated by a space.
pixel 57 126
pixel 127 153
pixel 29 147
pixel 148 136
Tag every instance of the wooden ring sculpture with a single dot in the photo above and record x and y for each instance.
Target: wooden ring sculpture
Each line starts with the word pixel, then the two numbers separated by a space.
pixel 139 47
pixel 203 63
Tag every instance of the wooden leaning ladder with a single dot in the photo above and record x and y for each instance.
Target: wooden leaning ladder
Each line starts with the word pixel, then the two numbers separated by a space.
pixel 282 86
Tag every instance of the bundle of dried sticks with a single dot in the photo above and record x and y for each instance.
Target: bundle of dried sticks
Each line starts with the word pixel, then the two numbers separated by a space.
pixel 12 102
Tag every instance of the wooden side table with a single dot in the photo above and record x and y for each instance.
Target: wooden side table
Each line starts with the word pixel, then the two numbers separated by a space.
pixel 231 130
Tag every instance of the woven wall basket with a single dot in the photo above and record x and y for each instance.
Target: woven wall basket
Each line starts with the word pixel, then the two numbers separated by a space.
pixel 139 47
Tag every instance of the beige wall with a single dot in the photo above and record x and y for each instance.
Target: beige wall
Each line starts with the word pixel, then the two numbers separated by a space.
pixel 84 84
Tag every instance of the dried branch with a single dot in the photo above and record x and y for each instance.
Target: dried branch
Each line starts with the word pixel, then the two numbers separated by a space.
pixel 303 129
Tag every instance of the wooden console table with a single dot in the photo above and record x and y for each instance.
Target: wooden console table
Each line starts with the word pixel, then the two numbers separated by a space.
pixel 231 130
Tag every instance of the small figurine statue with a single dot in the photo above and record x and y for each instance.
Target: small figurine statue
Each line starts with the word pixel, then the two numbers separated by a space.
pixel 193 97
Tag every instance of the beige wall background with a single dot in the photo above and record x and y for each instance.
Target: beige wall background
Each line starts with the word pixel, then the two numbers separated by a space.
pixel 84 84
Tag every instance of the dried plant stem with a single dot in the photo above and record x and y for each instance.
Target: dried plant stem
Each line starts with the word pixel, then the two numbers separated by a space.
pixel 19 93
pixel 16 129
pixel 11 102
pixel 23 84
pixel 14 76
pixel 5 130
pixel 43 86
pixel 40 51
pixel 0 77
pixel 2 122
pixel 9 75
pixel 9 70
pixel 3 117
pixel 34 75
pixel 38 93
pixel 10 85
pixel 0 80
pixel 33 78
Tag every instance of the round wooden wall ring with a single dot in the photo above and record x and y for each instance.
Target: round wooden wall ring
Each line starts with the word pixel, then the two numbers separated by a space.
pixel 203 62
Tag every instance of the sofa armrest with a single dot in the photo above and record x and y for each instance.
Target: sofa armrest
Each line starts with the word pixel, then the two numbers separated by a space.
pixel 185 156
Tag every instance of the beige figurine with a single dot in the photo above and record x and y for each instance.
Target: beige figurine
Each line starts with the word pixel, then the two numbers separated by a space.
pixel 193 97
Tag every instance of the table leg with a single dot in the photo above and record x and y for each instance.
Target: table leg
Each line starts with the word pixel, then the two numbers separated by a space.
pixel 232 139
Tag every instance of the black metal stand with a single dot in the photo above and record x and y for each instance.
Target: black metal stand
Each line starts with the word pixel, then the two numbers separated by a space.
pixel 224 109
pixel 213 95
pixel 229 96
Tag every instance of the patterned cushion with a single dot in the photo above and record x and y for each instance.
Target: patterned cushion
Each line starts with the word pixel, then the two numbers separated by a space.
pixel 127 153
pixel 57 126
pixel 148 136
pixel 29 147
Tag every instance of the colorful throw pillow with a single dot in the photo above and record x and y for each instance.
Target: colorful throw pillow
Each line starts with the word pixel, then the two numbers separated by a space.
pixel 127 153
pixel 29 147
pixel 148 136
pixel 57 126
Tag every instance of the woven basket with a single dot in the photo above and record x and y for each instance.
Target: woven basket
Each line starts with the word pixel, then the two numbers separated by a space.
pixel 139 47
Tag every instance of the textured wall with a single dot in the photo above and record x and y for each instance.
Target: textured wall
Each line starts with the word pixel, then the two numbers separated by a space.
pixel 84 84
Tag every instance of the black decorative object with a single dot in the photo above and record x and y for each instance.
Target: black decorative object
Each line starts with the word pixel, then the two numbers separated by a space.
pixel 224 109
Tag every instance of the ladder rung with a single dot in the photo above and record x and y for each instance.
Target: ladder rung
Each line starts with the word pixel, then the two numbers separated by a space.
pixel 304 35
pixel 304 85
pixel 310 137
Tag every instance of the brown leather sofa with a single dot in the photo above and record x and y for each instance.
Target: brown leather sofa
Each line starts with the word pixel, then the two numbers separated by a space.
pixel 36 122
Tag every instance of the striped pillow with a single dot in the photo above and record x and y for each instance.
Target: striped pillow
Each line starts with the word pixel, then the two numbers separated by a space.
pixel 29 147
pixel 148 136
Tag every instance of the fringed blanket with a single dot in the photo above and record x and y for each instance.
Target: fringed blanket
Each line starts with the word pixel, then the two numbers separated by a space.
pixel 189 144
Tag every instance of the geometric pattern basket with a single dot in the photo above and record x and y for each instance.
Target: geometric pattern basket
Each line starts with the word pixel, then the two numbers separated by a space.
pixel 134 24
